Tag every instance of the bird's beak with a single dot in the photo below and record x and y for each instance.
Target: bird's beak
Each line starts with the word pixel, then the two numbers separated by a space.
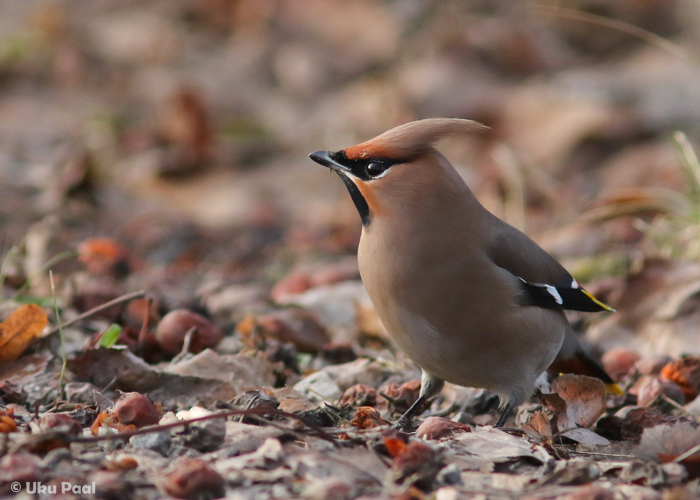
pixel 324 158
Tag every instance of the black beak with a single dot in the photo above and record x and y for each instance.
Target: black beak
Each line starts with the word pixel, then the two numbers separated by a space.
pixel 324 158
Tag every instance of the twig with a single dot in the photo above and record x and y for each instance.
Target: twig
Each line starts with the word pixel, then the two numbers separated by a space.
pixel 110 384
pixel 59 392
pixel 673 403
pixel 612 455
pixel 185 346
pixel 124 298
pixel 224 414
pixel 688 453
pixel 621 26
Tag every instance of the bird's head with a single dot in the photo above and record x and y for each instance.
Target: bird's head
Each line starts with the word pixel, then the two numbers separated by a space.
pixel 379 169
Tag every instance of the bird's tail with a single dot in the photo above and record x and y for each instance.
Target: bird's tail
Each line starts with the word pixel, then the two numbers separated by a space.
pixel 582 364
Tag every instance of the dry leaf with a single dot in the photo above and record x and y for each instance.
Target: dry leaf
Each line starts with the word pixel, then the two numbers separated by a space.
pixel 439 427
pixel 584 397
pixel 18 331
pixel 366 417
pixel 104 256
pixel 686 373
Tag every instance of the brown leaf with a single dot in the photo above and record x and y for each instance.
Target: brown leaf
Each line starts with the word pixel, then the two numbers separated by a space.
pixel 649 388
pixel 668 441
pixel 584 396
pixel 136 409
pixel 401 397
pixel 360 395
pixel 395 445
pixel 192 478
pixel 639 419
pixel 175 325
pixel 366 417
pixel 104 256
pixel 419 462
pixel 541 424
pixel 618 362
pixel 7 422
pixel 295 325
pixel 686 373
pixel 19 330
pixel 439 427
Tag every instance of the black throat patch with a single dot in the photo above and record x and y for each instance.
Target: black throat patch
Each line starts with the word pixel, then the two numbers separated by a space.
pixel 357 199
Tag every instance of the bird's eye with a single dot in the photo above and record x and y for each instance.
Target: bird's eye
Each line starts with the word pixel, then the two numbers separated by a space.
pixel 375 168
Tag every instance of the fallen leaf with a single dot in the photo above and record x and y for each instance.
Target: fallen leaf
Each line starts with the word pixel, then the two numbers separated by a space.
pixel 586 437
pixel 295 325
pixel 19 330
pixel 686 373
pixel 136 409
pixel 174 327
pixel 541 424
pixel 401 397
pixel 7 423
pixel 192 478
pixel 669 441
pixel 360 395
pixel 649 388
pixel 366 417
pixel 417 462
pixel 104 256
pixel 439 427
pixel 618 362
pixel 395 444
pixel 584 397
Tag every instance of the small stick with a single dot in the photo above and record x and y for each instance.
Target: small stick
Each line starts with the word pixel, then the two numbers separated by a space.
pixel 687 454
pixel 124 298
pixel 185 346
pixel 253 411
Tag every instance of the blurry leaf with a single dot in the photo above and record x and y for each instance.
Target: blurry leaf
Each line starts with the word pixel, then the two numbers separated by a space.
pixel 394 446
pixel 17 331
pixel 104 256
pixel 584 397
pixel 110 336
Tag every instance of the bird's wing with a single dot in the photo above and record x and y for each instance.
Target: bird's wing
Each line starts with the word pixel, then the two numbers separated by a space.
pixel 545 282
pixel 572 297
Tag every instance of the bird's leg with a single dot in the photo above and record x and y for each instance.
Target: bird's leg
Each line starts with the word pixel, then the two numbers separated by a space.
pixel 510 406
pixel 430 385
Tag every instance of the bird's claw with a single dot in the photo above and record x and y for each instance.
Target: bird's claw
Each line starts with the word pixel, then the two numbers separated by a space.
pixel 403 425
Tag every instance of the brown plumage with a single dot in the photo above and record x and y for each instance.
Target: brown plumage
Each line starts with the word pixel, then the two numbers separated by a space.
pixel 469 298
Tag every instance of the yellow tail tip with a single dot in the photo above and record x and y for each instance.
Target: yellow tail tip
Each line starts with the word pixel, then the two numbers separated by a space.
pixel 613 389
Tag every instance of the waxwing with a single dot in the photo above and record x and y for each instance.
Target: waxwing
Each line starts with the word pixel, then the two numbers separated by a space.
pixel 469 298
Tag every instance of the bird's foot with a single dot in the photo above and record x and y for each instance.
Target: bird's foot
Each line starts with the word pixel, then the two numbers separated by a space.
pixel 403 425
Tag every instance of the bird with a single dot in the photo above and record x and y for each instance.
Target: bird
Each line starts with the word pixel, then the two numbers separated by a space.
pixel 469 298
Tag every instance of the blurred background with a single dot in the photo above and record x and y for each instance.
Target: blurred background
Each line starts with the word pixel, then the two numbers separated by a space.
pixel 181 129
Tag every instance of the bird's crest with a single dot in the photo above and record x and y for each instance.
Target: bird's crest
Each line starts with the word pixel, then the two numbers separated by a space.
pixel 412 139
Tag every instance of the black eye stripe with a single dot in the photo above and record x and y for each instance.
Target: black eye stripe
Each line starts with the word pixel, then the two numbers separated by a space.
pixel 365 169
